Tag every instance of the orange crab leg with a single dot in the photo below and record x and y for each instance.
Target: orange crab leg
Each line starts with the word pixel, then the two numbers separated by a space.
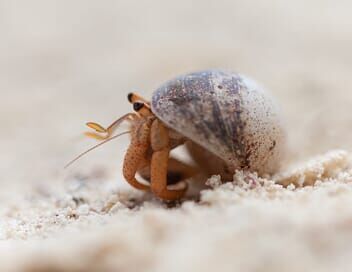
pixel 159 163
pixel 176 171
pixel 135 156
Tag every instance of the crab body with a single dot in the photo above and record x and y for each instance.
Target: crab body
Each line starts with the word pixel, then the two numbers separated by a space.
pixel 226 121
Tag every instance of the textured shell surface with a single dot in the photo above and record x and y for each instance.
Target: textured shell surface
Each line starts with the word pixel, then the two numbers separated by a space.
pixel 226 113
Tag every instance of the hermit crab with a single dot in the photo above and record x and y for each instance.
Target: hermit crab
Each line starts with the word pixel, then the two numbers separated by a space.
pixel 226 121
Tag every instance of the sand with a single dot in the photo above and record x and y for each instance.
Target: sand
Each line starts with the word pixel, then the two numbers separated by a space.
pixel 63 63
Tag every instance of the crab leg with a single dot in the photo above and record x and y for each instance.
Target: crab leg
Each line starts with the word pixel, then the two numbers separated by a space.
pixel 159 163
pixel 135 156
pixel 176 171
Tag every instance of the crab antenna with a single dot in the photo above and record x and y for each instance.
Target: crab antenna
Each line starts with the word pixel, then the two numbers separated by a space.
pixel 109 131
pixel 94 147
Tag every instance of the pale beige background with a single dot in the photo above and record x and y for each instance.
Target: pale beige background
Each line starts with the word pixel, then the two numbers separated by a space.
pixel 63 63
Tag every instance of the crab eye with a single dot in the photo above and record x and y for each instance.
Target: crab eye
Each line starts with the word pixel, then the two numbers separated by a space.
pixel 137 106
pixel 129 97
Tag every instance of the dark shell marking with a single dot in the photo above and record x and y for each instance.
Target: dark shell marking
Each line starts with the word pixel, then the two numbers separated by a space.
pixel 218 110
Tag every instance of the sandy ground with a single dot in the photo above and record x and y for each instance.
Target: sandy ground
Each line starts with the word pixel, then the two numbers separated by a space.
pixel 63 63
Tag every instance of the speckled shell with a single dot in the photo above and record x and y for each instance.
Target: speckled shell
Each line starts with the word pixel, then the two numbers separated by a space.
pixel 227 114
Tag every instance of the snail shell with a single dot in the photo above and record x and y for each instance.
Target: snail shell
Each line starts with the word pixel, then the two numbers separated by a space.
pixel 228 117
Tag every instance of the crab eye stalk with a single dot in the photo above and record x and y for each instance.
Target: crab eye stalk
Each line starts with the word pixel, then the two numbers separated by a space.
pixel 133 98
pixel 142 109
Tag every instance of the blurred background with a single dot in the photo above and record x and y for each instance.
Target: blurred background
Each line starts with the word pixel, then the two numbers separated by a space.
pixel 63 63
